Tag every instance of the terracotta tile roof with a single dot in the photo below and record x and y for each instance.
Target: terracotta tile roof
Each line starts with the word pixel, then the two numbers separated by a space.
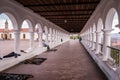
pixel 1 30
pixel 25 30
pixel 12 30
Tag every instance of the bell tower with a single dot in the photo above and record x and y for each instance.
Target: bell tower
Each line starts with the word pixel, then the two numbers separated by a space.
pixel 6 31
pixel 6 24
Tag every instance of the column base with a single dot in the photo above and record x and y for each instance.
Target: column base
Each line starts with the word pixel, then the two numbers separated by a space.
pixel 29 49
pixel 40 46
pixel 93 49
pixel 97 52
pixel 105 59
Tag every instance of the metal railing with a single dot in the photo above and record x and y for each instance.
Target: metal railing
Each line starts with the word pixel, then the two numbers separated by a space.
pixel 115 55
pixel 101 47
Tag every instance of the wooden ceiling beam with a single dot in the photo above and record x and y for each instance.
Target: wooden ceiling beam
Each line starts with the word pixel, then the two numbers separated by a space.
pixel 76 10
pixel 70 25
pixel 70 21
pixel 62 4
pixel 67 15
pixel 68 18
pixel 71 12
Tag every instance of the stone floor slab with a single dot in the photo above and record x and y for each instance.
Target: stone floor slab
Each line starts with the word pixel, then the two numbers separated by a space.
pixel 69 62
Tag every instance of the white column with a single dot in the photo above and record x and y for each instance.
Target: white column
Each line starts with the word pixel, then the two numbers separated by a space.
pixel 56 39
pixel 88 40
pixel 51 39
pixel 59 39
pixel 40 39
pixel 31 39
pixel 85 39
pixel 98 40
pixel 16 41
pixel 92 41
pixel 46 40
pixel 106 42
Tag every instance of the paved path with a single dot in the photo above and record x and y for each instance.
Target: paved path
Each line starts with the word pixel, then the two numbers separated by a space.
pixel 7 46
pixel 69 62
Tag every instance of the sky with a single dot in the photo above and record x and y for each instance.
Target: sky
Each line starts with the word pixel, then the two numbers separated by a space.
pixel 4 17
pixel 115 22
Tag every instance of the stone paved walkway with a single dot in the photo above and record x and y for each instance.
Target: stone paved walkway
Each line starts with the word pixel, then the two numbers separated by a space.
pixel 7 46
pixel 69 62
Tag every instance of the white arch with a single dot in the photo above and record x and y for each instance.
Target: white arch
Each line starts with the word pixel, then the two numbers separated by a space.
pixel 94 28
pixel 45 30
pixel 29 25
pixel 53 31
pixel 99 25
pixel 90 33
pixel 94 33
pixel 39 27
pixel 109 18
pixel 50 30
pixel 90 29
pixel 115 24
pixel 56 31
pixel 13 20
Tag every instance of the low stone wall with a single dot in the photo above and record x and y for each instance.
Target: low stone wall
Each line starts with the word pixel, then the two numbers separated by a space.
pixel 109 72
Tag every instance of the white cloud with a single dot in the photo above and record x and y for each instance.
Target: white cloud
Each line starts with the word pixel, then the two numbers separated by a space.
pixel 25 24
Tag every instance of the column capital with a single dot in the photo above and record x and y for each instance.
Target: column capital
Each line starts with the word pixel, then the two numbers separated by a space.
pixel 92 32
pixel 31 32
pixel 40 32
pixel 16 32
pixel 98 32
pixel 107 30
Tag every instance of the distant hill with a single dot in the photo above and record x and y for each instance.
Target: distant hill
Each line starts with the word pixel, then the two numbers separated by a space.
pixel 115 36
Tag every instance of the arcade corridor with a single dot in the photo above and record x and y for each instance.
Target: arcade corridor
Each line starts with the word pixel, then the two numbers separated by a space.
pixel 69 62
pixel 32 25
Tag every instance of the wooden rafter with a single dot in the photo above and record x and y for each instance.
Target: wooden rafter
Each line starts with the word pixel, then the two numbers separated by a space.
pixel 62 4
pixel 76 12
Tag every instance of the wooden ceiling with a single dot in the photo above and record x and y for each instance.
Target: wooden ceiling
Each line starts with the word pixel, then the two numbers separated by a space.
pixel 70 15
